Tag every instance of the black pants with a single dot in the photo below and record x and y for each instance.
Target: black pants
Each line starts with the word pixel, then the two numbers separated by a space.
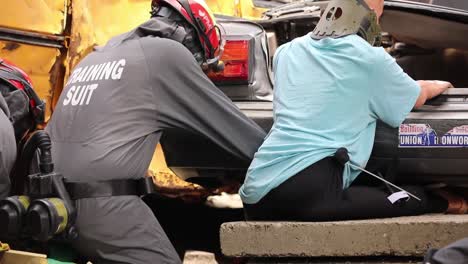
pixel 316 194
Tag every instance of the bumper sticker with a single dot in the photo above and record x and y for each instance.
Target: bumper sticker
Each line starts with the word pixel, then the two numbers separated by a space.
pixel 422 135
pixel 457 137
pixel 417 135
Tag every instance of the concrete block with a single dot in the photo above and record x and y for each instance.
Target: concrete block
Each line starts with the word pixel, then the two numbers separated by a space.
pixel 199 257
pixel 401 236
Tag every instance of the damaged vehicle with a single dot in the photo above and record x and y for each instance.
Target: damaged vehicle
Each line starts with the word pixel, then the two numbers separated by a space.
pixel 428 41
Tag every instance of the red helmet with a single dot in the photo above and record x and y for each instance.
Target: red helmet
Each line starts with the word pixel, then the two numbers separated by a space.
pixel 197 14
pixel 13 80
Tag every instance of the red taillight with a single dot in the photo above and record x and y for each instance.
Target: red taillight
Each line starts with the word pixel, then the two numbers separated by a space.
pixel 236 63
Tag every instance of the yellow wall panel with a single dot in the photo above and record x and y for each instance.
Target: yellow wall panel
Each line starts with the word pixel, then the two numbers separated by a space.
pixel 96 21
pixel 46 16
pixel 238 8
pixel 38 63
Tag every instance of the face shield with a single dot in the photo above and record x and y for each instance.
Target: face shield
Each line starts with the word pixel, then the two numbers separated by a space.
pixel 345 17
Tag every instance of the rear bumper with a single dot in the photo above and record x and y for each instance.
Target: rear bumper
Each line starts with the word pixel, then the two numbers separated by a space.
pixel 201 158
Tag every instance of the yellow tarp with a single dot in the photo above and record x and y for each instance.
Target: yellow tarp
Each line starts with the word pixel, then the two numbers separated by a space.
pixel 238 8
pixel 96 21
pixel 46 16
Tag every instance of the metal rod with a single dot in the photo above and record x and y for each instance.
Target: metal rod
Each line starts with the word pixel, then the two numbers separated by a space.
pixel 382 179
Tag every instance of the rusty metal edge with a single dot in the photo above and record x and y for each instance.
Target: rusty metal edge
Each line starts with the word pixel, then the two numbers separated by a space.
pixel 32 38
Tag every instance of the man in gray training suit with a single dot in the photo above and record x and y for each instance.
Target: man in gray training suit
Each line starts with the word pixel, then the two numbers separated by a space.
pixel 113 111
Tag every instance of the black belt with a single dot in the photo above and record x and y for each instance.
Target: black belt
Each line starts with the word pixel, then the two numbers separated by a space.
pixel 80 190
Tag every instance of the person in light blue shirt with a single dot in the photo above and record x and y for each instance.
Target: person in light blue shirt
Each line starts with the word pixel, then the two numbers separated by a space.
pixel 329 93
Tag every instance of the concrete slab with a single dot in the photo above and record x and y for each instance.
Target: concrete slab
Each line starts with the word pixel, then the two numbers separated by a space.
pixel 401 236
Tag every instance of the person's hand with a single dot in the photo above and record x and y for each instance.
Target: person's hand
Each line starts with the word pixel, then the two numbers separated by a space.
pixel 431 89
pixel 435 87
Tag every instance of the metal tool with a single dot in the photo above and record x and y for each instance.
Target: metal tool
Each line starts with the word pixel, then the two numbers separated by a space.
pixel 341 155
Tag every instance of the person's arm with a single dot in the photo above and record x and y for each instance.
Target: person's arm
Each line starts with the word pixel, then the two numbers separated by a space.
pixel 429 90
pixel 7 154
pixel 393 93
pixel 7 149
pixel 188 100
pixel 4 181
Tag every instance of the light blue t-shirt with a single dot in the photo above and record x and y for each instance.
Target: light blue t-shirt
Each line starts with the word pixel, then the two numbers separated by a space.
pixel 328 94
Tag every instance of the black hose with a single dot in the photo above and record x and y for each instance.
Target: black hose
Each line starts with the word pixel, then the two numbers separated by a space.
pixel 38 140
pixel 41 140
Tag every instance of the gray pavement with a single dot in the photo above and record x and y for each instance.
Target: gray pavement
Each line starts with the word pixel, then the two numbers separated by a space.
pixel 401 236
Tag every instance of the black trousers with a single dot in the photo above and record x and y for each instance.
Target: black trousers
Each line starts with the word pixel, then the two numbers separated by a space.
pixel 316 194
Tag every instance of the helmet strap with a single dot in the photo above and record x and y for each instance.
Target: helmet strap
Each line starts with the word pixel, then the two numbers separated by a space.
pixel 197 25
pixel 182 32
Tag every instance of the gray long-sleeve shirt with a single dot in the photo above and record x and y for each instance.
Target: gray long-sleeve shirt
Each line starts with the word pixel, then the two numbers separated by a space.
pixel 7 148
pixel 120 98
